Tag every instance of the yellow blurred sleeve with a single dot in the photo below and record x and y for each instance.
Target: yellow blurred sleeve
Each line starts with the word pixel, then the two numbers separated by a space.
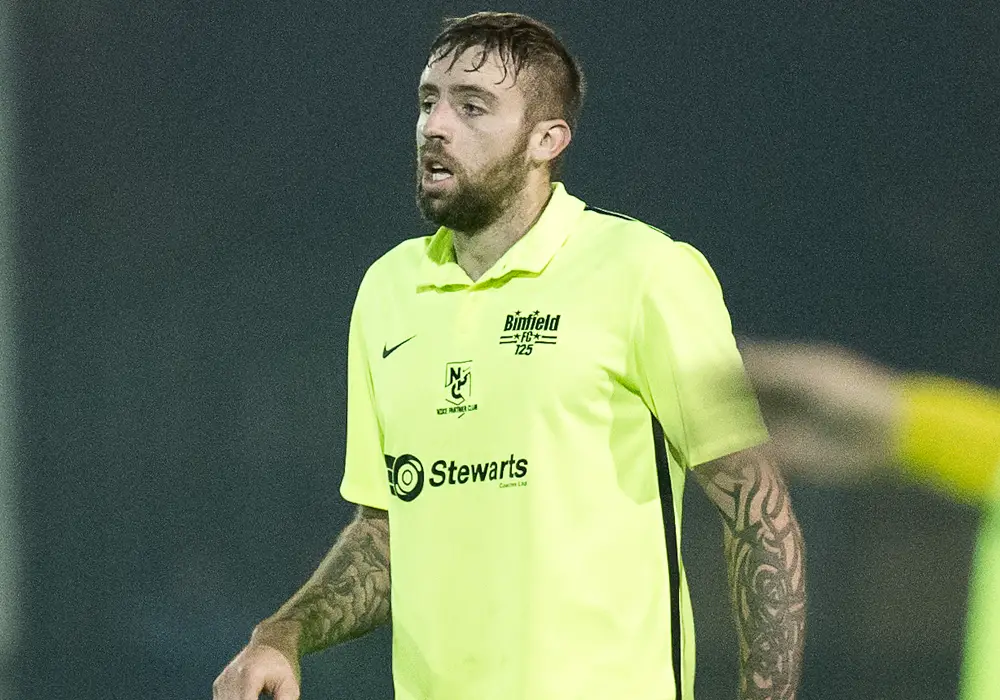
pixel 948 434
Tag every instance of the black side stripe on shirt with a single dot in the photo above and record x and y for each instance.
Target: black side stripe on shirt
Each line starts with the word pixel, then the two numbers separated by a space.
pixel 623 217
pixel 608 213
pixel 673 560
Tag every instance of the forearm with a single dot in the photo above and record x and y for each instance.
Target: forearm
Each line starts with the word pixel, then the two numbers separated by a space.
pixel 764 551
pixel 768 594
pixel 346 597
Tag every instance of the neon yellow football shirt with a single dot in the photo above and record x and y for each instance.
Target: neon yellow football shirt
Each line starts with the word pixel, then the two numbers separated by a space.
pixel 948 434
pixel 981 656
pixel 521 431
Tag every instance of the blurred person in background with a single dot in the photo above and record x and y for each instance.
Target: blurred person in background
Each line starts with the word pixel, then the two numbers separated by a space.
pixel 837 417
pixel 528 389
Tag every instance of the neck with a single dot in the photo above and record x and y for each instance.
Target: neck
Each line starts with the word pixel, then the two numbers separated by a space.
pixel 477 251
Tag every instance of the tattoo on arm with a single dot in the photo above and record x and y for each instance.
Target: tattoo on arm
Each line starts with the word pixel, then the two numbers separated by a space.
pixel 765 554
pixel 348 595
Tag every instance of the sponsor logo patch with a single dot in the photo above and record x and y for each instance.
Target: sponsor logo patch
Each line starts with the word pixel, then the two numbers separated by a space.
pixel 408 479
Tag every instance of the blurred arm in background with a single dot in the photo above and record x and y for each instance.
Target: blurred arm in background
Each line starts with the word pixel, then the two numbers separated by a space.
pixel 346 597
pixel 837 417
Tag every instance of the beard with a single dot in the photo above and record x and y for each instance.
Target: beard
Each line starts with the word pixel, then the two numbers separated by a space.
pixel 477 201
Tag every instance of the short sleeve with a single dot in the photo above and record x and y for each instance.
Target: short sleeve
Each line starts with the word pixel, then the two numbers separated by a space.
pixel 365 481
pixel 685 361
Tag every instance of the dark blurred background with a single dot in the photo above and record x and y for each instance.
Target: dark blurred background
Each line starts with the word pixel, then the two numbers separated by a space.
pixel 191 192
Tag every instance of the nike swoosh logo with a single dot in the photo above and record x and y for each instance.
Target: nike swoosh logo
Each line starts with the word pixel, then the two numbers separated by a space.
pixel 388 351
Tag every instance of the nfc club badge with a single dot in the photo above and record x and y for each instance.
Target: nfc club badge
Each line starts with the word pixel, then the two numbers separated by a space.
pixel 458 389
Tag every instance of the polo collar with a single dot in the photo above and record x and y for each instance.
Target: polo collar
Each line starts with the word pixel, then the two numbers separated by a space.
pixel 529 254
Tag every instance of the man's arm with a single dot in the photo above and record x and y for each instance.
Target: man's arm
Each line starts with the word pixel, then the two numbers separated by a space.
pixel 830 412
pixel 837 416
pixel 765 555
pixel 346 597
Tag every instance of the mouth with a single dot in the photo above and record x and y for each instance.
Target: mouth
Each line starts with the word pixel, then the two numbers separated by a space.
pixel 436 174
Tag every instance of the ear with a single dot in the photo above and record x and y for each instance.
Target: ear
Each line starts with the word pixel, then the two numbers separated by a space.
pixel 548 139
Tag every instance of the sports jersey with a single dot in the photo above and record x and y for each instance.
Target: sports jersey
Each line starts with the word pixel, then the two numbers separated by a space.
pixel 529 434
pixel 981 658
pixel 948 433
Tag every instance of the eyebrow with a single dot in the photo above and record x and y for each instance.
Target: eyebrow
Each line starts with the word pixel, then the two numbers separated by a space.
pixel 460 89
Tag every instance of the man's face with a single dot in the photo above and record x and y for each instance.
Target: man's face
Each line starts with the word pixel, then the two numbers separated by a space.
pixel 471 141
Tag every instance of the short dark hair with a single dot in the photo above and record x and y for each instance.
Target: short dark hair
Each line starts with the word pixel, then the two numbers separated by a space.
pixel 520 42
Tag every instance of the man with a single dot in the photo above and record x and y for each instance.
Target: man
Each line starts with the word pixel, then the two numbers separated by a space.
pixel 838 417
pixel 524 387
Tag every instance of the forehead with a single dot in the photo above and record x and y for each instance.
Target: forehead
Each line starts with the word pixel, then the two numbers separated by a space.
pixel 443 72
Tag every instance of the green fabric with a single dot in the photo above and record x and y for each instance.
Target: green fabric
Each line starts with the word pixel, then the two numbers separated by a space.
pixel 981 665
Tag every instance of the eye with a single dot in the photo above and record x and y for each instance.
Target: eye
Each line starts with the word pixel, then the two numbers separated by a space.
pixel 472 110
pixel 426 105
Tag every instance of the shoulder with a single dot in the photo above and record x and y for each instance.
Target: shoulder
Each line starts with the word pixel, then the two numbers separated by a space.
pixel 405 256
pixel 641 246
pixel 399 264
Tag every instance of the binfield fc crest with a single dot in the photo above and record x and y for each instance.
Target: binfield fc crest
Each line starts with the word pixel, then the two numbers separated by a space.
pixel 525 331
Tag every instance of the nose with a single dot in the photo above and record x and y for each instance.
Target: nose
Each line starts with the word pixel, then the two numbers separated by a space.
pixel 435 124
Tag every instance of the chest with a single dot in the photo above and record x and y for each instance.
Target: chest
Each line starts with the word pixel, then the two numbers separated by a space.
pixel 506 354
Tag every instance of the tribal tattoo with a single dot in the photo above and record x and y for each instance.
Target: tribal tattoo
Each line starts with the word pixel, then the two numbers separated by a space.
pixel 348 595
pixel 765 553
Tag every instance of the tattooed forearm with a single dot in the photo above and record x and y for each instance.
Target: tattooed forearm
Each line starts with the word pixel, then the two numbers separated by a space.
pixel 765 554
pixel 347 596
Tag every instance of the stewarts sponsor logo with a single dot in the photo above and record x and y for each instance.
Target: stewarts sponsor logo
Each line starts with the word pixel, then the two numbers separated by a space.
pixel 458 388
pixel 525 331
pixel 407 477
